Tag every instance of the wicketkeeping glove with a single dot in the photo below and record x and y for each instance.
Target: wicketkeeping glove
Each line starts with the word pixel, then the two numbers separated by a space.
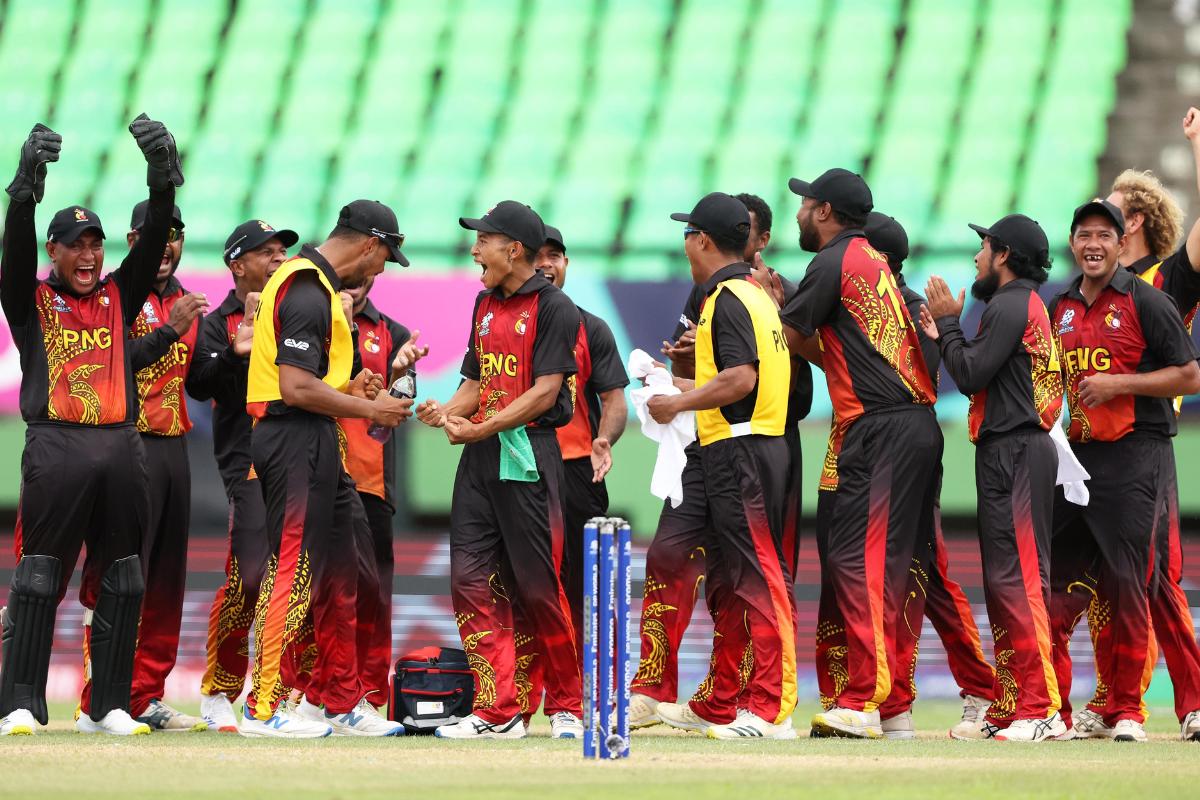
pixel 42 146
pixel 158 147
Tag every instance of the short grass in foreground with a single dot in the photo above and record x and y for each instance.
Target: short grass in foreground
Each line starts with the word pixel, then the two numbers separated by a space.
pixel 664 764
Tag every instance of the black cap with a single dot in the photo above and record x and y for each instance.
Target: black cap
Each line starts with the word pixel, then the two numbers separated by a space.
pixel 887 236
pixel 71 221
pixel 138 218
pixel 515 220
pixel 252 234
pixel 721 214
pixel 554 237
pixel 846 191
pixel 375 219
pixel 1021 234
pixel 1104 209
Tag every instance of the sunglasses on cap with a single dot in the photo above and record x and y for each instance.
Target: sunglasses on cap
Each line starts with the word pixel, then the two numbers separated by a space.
pixel 392 238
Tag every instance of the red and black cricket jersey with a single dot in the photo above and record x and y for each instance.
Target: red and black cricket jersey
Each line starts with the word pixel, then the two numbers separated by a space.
pixel 160 382
pixel 871 353
pixel 599 370
pixel 517 339
pixel 1130 328
pixel 837 432
pixel 218 374
pixel 75 363
pixel 1010 370
pixel 1175 276
pixel 372 464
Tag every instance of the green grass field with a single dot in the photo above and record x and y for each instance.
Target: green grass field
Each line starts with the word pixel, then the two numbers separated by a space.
pixel 664 764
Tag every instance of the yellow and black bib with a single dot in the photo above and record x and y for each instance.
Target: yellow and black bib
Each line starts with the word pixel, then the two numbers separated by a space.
pixel 263 382
pixel 769 416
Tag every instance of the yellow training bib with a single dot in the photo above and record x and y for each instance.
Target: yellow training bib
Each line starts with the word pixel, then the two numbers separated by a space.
pixel 769 417
pixel 263 382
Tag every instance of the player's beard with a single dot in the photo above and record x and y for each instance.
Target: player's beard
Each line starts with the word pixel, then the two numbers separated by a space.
pixel 810 240
pixel 985 287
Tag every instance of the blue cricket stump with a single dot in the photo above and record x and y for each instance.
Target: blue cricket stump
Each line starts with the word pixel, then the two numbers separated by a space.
pixel 607 569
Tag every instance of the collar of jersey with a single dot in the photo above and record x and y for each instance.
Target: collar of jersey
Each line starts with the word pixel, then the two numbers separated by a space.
pixel 536 282
pixel 314 255
pixel 723 274
pixel 1122 281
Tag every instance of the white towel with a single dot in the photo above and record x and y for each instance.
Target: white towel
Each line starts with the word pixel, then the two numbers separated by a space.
pixel 1071 474
pixel 672 438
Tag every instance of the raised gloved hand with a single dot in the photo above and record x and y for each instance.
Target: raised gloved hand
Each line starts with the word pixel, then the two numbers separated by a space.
pixel 158 147
pixel 42 146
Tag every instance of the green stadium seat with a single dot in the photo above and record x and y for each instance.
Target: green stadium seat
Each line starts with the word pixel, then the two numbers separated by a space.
pixel 606 115
pixel 650 266
pixel 589 210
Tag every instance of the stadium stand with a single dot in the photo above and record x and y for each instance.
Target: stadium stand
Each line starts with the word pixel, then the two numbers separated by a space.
pixel 606 114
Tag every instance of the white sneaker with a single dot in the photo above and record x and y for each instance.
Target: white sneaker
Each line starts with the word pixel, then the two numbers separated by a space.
pixel 751 726
pixel 472 727
pixel 1033 730
pixel 283 724
pixel 898 727
pixel 643 711
pixel 565 725
pixel 307 710
pixel 217 712
pixel 680 715
pixel 981 732
pixel 116 722
pixel 974 710
pixel 363 720
pixel 847 723
pixel 18 723
pixel 1087 724
pixel 161 717
pixel 1128 730
pixel 1189 729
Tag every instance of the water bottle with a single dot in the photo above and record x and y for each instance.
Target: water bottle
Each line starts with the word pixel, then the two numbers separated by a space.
pixel 405 386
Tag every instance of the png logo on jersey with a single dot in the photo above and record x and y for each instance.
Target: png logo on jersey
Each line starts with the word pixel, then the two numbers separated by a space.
pixel 371 342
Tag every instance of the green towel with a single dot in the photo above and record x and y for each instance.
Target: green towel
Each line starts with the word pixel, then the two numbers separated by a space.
pixel 517 462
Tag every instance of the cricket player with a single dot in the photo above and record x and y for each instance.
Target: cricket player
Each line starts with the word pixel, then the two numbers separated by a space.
pixel 1126 355
pixel 1011 373
pixel 253 251
pixel 931 592
pixel 1154 226
pixel 299 384
pixel 743 373
pixel 386 348
pixel 597 422
pixel 676 559
pixel 848 317
pixel 506 525
pixel 162 345
pixel 79 402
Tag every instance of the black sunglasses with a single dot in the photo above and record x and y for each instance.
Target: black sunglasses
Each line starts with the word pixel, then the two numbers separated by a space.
pixel 398 238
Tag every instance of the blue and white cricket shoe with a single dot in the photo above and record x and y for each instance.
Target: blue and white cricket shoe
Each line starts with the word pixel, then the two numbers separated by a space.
pixel 363 720
pixel 283 724
pixel 565 725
